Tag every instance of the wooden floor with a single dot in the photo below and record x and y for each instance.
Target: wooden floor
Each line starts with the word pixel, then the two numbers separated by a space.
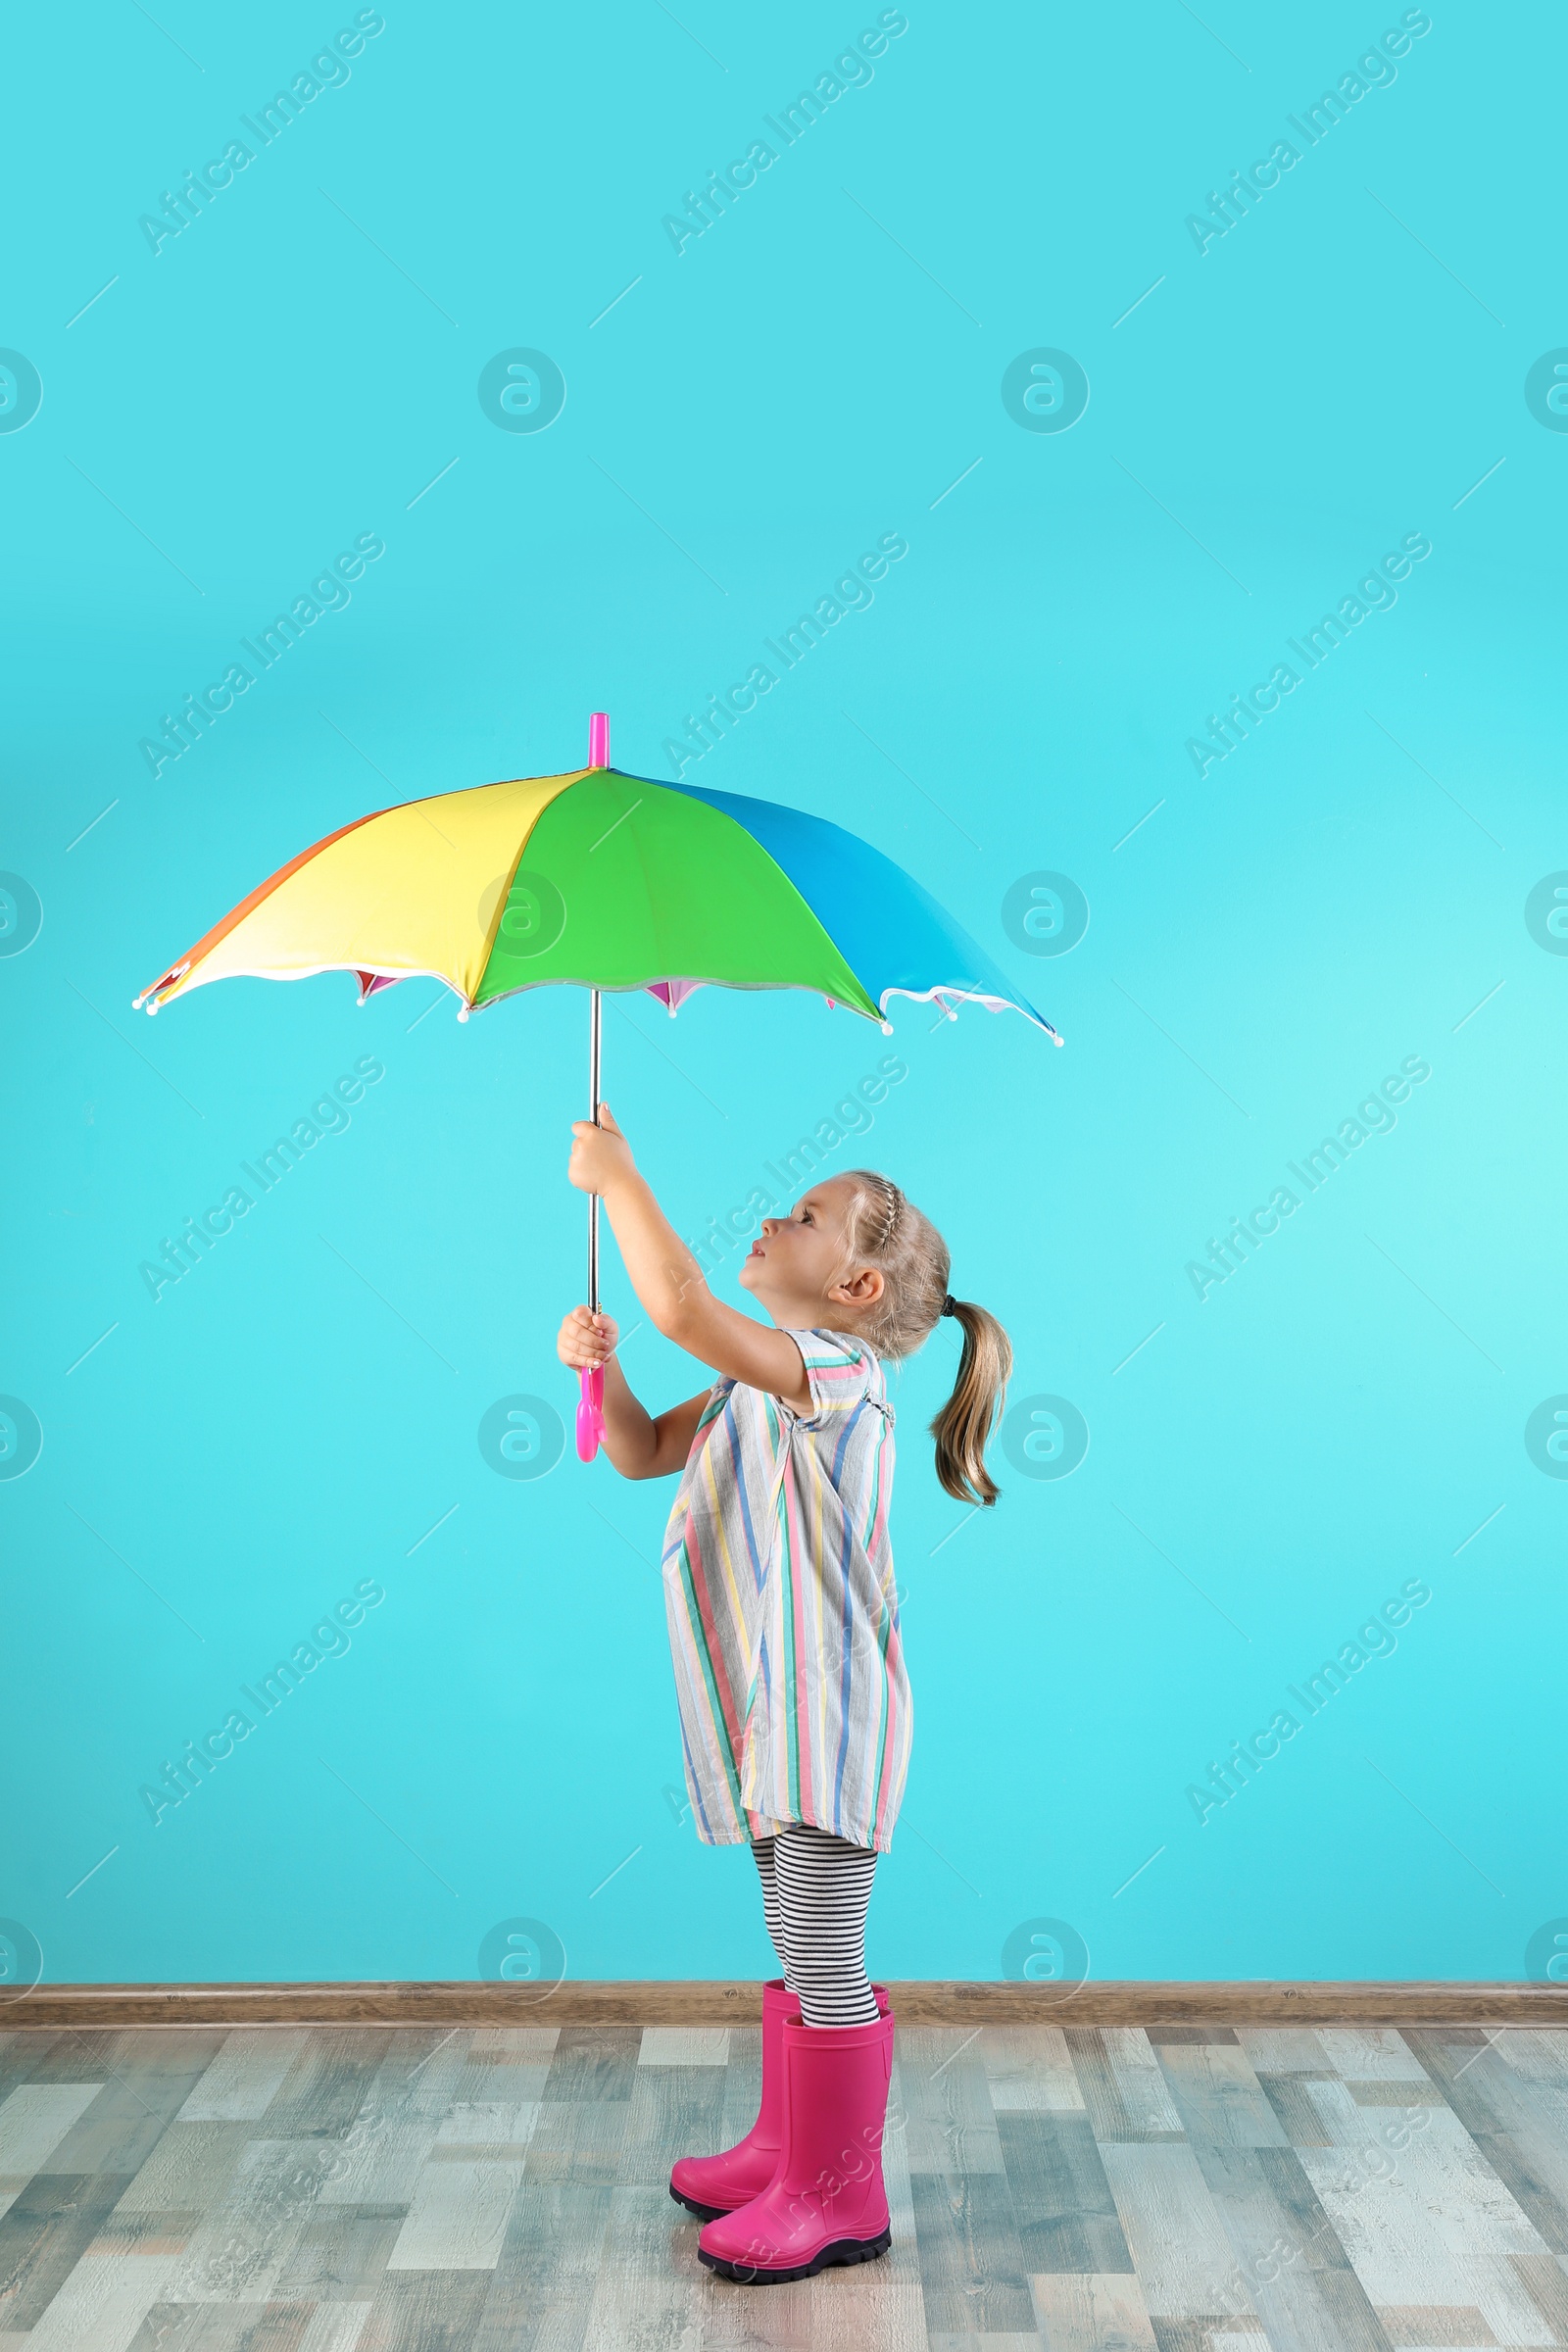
pixel 1188 2190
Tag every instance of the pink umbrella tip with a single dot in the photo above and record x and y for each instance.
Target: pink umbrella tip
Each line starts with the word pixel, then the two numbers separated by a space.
pixel 599 739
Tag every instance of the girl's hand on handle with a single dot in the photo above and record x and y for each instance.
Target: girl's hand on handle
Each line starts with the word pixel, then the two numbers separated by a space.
pixel 600 1156
pixel 587 1339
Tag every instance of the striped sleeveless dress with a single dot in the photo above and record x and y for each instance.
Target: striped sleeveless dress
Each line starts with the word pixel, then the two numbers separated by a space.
pixel 782 1608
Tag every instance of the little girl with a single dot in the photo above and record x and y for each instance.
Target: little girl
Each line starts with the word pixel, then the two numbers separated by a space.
pixel 783 1623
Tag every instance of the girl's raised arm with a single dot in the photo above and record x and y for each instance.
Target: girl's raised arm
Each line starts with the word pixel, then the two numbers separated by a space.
pixel 668 1280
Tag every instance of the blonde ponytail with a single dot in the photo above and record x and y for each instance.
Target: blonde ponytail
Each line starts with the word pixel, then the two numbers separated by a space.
pixel 884 1229
pixel 970 1415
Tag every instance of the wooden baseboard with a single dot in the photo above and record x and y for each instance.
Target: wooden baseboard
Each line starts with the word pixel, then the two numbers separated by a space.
pixel 578 2003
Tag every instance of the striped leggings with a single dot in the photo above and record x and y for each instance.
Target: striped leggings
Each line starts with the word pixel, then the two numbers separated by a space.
pixel 816 1891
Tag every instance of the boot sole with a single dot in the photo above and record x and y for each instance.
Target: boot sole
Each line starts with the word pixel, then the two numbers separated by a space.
pixel 703 2213
pixel 844 2250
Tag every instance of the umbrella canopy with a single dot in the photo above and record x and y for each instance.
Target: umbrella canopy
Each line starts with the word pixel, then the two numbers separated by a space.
pixel 609 881
pixel 603 879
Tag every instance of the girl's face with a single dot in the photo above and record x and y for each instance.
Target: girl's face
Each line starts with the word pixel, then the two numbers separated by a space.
pixel 799 1266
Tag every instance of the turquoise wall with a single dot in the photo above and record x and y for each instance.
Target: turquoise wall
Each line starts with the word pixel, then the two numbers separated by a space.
pixel 1328 912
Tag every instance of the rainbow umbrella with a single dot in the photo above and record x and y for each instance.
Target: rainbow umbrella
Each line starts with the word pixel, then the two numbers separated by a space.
pixel 603 880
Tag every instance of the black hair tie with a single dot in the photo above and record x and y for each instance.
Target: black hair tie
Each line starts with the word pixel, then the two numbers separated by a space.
pixel 949 1305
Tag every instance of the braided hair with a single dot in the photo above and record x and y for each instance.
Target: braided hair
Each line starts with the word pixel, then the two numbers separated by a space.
pixel 884 1229
pixel 894 1200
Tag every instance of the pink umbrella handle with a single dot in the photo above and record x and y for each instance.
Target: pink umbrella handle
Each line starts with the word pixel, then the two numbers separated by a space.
pixel 591 1413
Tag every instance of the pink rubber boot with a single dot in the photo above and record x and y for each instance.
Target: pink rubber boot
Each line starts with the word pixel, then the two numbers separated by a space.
pixel 826 2202
pixel 711 2185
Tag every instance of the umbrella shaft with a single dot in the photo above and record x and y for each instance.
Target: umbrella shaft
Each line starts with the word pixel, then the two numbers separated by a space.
pixel 593 1113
